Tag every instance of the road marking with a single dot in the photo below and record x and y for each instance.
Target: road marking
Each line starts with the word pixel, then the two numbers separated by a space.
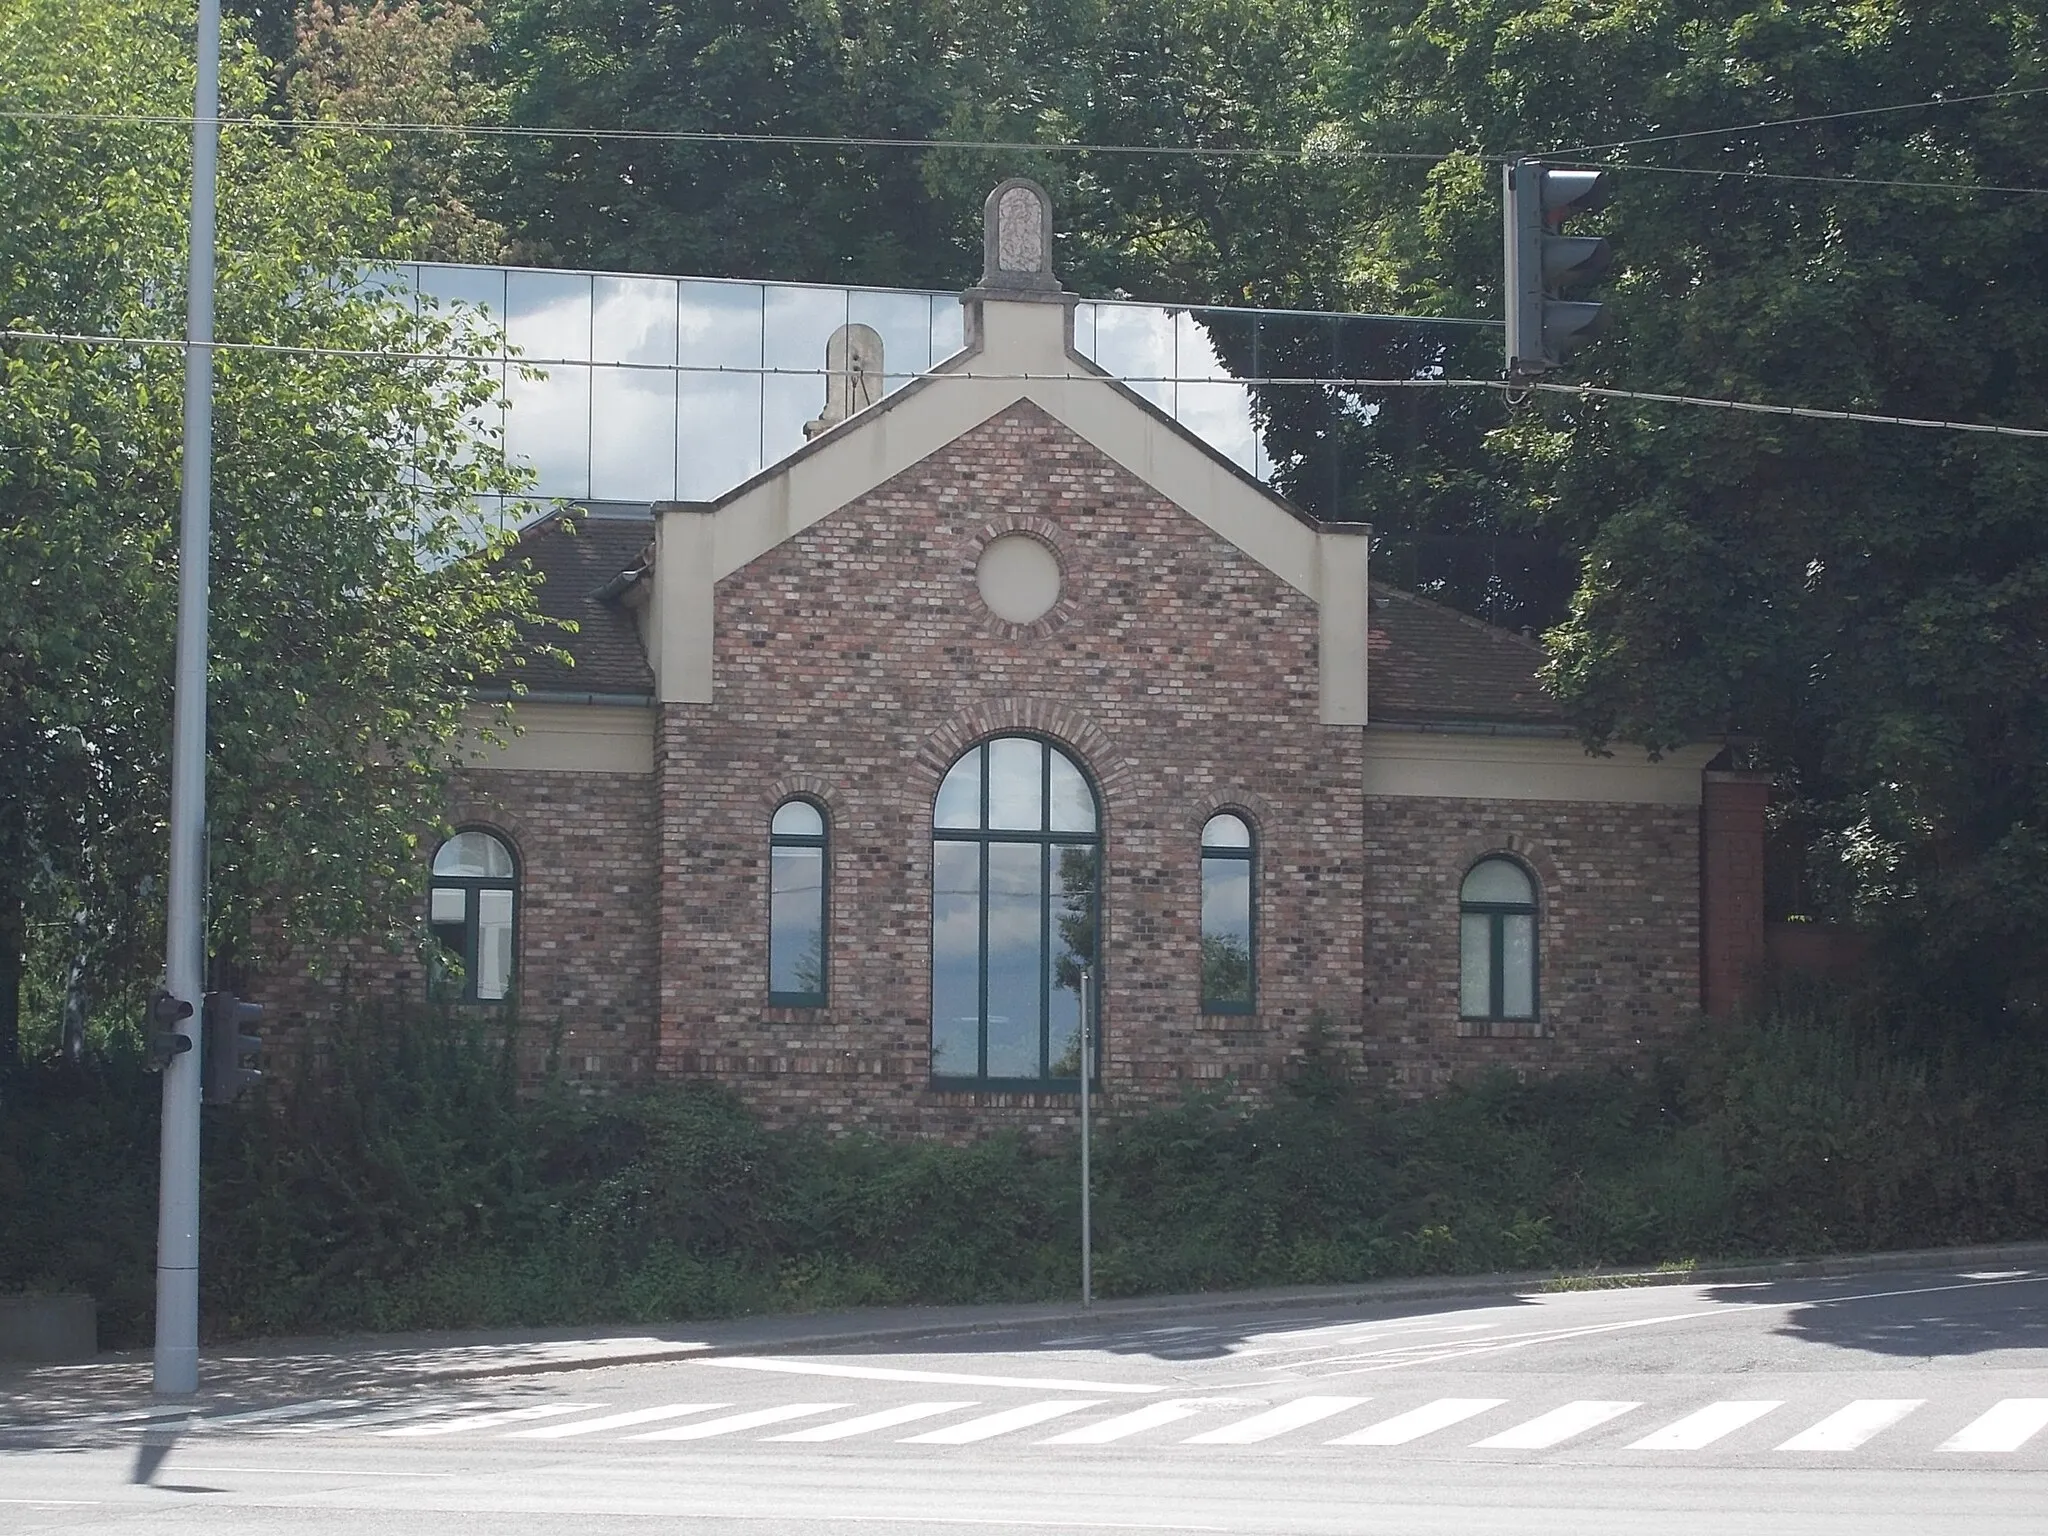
pixel 614 1421
pixel 266 1415
pixel 991 1425
pixel 1556 1426
pixel 491 1420
pixel 1853 1425
pixel 1276 1421
pixel 888 1418
pixel 2006 1427
pixel 92 1420
pixel 1426 1420
pixel 1697 1430
pixel 1151 1416
pixel 890 1373
pixel 380 1416
pixel 734 1423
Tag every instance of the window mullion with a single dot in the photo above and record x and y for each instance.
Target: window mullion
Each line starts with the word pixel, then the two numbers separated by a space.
pixel 1497 992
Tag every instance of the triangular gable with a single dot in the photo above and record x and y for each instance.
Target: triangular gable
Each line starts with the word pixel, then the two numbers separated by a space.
pixel 1019 347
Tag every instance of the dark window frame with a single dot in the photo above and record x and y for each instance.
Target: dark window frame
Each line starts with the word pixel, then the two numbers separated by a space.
pixel 984 837
pixel 1496 913
pixel 471 887
pixel 821 841
pixel 1248 856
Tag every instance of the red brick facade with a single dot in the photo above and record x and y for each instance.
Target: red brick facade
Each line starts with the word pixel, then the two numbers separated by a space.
pixel 856 661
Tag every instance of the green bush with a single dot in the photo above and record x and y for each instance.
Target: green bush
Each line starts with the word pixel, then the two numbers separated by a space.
pixel 407 1183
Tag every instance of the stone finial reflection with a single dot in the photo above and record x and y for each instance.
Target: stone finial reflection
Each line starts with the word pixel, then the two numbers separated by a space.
pixel 853 375
pixel 1017 238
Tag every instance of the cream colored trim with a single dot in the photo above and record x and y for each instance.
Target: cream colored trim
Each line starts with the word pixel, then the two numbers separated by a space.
pixel 1016 337
pixel 1340 625
pixel 682 620
pixel 1456 766
pixel 567 738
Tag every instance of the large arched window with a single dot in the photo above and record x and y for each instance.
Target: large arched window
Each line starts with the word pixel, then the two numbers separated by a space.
pixel 1227 932
pixel 1015 858
pixel 797 880
pixel 473 909
pixel 1497 942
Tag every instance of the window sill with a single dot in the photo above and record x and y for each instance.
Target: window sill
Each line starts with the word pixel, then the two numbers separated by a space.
pixel 1069 1087
pixel 1501 1029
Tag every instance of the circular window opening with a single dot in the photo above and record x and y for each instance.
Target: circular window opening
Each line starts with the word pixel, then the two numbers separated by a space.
pixel 1019 578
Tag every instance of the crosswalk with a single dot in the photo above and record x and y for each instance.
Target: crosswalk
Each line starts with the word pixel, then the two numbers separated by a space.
pixel 1635 1429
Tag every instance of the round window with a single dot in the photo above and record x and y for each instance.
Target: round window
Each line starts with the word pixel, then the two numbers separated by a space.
pixel 1019 578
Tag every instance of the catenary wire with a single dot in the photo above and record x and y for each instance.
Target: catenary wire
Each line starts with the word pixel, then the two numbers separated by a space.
pixel 1825 181
pixel 712 136
pixel 1800 122
pixel 1505 386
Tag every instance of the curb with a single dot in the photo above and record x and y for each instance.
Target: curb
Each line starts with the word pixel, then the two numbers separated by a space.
pixel 1450 1287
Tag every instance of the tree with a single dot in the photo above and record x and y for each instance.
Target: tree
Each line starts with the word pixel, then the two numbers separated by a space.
pixel 346 616
pixel 402 61
pixel 1868 604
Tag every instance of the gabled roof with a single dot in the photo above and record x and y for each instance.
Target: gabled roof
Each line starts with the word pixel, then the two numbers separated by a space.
pixel 1430 664
pixel 578 553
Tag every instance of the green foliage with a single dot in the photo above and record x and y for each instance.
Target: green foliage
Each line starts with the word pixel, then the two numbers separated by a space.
pixel 413 1186
pixel 344 625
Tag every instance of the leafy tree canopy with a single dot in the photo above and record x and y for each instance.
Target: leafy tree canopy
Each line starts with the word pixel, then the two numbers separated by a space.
pixel 344 624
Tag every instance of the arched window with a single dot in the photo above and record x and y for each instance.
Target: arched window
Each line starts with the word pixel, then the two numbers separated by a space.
pixel 1497 942
pixel 472 906
pixel 1015 856
pixel 1227 928
pixel 798 870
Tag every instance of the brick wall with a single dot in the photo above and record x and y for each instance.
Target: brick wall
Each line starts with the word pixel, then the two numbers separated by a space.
pixel 1733 949
pixel 855 662
pixel 585 844
pixel 1618 931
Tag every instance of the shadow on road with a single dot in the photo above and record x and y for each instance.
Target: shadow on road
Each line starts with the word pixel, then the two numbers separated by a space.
pixel 1924 1315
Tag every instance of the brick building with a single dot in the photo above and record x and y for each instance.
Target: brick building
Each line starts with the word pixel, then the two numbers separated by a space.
pixel 1005 676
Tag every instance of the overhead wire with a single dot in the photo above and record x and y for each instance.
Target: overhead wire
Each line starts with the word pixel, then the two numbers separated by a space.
pixel 1801 122
pixel 1503 386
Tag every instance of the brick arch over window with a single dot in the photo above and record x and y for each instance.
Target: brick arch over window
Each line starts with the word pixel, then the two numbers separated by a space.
pixel 1035 717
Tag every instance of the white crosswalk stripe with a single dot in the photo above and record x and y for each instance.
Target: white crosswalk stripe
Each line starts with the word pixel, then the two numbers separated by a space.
pixel 867 1423
pixel 272 1415
pixel 734 1423
pixel 1276 1421
pixel 471 1421
pixel 1151 1416
pixel 615 1421
pixel 2007 1427
pixel 1417 1422
pixel 1009 1420
pixel 1698 1430
pixel 369 1420
pixel 1849 1428
pixel 1556 1426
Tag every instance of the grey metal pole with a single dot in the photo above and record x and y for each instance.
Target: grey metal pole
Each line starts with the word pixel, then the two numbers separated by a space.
pixel 176 1371
pixel 1087 1224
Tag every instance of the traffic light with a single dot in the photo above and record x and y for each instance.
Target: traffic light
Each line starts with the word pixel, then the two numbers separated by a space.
pixel 224 1016
pixel 166 1013
pixel 1543 264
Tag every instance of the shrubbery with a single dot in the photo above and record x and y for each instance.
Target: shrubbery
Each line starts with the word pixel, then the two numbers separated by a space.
pixel 417 1189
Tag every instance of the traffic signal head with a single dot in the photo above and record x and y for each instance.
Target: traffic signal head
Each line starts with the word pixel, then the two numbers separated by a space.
pixel 1543 264
pixel 224 1017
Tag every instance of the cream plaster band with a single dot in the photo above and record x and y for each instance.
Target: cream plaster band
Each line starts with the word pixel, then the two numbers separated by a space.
pixel 1454 766
pixel 567 738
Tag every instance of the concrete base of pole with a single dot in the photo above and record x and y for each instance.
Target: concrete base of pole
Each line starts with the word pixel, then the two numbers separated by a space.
pixel 176 1372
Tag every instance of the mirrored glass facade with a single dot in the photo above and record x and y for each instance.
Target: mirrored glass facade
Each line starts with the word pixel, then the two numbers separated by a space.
pixel 637 389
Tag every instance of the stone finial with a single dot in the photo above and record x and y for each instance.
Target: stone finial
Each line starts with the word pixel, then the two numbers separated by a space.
pixel 1017 239
pixel 853 375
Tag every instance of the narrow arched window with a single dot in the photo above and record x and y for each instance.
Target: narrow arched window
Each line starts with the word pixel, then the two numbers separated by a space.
pixel 1015 852
pixel 1227 915
pixel 1497 942
pixel 798 862
pixel 473 908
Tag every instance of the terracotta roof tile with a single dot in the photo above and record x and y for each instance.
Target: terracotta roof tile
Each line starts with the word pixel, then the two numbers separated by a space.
pixel 576 554
pixel 1431 664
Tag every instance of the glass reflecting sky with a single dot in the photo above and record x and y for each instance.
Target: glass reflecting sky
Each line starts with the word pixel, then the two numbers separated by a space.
pixel 667 388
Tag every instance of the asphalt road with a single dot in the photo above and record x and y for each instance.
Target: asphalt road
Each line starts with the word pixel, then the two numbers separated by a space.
pixel 1897 1402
